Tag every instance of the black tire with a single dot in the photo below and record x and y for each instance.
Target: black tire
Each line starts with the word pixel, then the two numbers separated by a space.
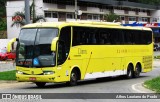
pixel 137 72
pixel 40 84
pixel 129 72
pixel 73 78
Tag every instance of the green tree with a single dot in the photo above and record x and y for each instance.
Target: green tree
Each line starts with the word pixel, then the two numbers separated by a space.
pixel 20 17
pixel 111 17
pixel 2 15
pixel 3 24
pixel 152 2
pixel 2 8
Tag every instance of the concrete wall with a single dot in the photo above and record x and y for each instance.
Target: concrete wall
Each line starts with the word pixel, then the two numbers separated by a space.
pixel 156 14
pixel 14 6
pixel 4 43
pixel 120 12
pixel 11 8
pixel 18 5
pixel 49 6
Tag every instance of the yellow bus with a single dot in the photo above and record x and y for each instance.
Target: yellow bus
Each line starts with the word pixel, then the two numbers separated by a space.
pixel 71 51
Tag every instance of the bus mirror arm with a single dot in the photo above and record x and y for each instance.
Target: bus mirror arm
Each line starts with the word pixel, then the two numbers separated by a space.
pixel 54 44
pixel 17 39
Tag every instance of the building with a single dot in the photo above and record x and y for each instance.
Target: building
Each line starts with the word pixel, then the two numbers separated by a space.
pixel 64 10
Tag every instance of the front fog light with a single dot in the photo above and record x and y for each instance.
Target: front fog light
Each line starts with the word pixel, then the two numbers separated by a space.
pixel 19 72
pixel 48 72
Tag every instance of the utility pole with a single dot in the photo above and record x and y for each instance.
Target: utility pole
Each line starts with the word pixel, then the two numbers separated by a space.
pixel 76 10
pixel 27 11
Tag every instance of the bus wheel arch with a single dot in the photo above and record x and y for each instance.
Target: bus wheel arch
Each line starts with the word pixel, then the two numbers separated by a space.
pixel 130 70
pixel 138 69
pixel 75 75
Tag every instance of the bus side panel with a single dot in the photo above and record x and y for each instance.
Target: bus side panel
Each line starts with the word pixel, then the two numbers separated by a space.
pixel 114 58
pixel 104 61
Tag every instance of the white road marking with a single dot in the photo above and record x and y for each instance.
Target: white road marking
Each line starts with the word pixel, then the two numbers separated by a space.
pixel 137 90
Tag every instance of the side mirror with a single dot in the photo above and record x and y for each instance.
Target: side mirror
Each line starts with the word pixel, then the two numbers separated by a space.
pixel 9 45
pixel 54 43
pixel 17 39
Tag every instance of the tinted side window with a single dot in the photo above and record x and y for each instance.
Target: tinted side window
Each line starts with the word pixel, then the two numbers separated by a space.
pixel 128 38
pixel 104 37
pixel 84 36
pixel 96 36
pixel 108 36
pixel 148 37
pixel 116 36
pixel 137 37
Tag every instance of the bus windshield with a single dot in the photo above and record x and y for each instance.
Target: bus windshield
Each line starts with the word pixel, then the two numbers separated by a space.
pixel 34 47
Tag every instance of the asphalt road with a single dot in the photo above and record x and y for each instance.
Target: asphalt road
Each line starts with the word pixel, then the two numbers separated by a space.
pixel 105 85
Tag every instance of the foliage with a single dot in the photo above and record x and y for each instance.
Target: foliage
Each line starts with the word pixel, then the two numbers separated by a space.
pixel 153 84
pixel 2 8
pixel 157 57
pixel 19 23
pixel 152 2
pixel 3 24
pixel 8 75
pixel 33 16
pixel 111 17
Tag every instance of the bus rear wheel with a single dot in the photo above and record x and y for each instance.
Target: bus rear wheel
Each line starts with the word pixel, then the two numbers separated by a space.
pixel 129 72
pixel 137 71
pixel 40 84
pixel 73 78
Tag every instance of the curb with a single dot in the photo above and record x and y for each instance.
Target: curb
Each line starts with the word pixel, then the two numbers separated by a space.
pixel 8 81
pixel 140 88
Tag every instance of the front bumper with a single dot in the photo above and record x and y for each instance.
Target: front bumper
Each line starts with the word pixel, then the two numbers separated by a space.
pixel 35 78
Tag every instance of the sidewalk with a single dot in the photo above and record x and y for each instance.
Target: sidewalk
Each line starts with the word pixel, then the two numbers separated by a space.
pixel 7 66
pixel 156 63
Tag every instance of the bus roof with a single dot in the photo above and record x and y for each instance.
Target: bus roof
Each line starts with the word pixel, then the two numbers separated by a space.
pixel 84 24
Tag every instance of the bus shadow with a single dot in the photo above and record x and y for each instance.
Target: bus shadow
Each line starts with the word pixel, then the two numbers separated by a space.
pixel 107 79
pixel 85 82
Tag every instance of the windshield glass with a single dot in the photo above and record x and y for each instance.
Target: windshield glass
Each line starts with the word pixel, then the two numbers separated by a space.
pixel 34 47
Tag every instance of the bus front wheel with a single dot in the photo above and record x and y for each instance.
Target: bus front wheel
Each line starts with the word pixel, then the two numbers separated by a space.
pixel 40 84
pixel 73 78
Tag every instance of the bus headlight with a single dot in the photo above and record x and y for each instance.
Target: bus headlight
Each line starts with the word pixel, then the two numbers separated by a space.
pixel 48 72
pixel 19 72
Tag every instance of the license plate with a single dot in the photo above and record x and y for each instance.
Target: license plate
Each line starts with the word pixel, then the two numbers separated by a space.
pixel 32 78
